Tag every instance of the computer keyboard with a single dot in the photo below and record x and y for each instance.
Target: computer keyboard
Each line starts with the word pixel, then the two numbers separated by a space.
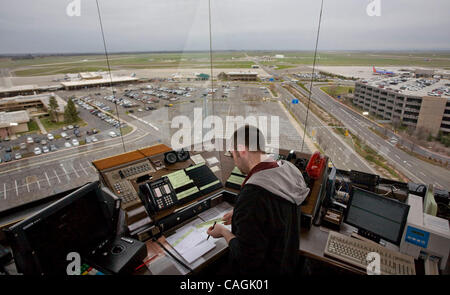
pixel 353 251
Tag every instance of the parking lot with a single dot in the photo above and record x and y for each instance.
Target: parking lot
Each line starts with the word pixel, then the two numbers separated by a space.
pixel 35 177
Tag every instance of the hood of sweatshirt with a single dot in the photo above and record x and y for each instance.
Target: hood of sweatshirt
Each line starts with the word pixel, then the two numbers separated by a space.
pixel 285 181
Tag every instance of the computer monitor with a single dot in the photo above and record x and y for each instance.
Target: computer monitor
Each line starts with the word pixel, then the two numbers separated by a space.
pixel 379 215
pixel 76 223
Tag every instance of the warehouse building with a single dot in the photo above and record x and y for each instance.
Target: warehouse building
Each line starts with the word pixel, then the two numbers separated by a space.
pixel 12 123
pixel 417 103
pixel 242 76
pixel 103 82
pixel 35 105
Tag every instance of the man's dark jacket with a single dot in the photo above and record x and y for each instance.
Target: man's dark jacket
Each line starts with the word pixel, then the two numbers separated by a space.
pixel 266 222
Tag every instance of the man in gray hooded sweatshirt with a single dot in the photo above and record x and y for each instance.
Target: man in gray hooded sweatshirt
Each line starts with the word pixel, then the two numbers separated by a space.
pixel 265 221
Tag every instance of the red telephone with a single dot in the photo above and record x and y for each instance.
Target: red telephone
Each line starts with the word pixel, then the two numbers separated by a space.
pixel 315 165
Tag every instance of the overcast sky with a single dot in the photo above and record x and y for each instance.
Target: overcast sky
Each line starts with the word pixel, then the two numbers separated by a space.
pixel 42 26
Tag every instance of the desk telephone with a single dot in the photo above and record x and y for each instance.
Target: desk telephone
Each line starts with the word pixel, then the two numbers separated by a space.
pixel 159 194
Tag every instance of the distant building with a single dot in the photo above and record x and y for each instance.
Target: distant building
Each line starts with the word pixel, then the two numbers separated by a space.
pixel 35 105
pixel 26 90
pixel 418 109
pixel 13 122
pixel 279 56
pixel 90 75
pixel 242 76
pixel 423 73
pixel 95 82
pixel 201 77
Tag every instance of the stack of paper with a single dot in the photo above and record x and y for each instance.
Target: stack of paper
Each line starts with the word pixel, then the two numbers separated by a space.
pixel 191 242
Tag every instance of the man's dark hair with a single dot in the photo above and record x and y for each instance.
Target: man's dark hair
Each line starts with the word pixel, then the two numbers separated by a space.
pixel 249 136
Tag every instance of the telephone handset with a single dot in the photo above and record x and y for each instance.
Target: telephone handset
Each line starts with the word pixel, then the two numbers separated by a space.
pixel 159 194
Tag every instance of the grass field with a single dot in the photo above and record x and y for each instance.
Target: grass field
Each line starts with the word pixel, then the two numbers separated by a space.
pixel 337 90
pixel 48 65
pixel 49 125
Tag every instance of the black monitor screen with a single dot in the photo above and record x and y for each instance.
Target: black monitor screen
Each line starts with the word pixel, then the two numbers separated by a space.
pixel 377 214
pixel 76 227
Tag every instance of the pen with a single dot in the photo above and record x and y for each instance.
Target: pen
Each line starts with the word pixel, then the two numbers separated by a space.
pixel 212 228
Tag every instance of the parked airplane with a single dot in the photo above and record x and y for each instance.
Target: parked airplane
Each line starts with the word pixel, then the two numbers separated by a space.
pixel 381 72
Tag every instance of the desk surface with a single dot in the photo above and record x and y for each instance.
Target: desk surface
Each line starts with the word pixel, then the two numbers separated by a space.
pixel 312 241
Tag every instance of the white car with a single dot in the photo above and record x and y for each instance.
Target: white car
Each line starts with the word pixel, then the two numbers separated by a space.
pixel 37 151
pixel 30 140
pixel 67 144
pixel 50 136
pixel 112 134
pixel 63 134
pixel 18 156
pixel 70 127
pixel 75 142
pixel 94 139
pixel 45 149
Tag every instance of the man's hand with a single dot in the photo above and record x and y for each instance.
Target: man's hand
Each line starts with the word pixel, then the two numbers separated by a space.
pixel 217 232
pixel 220 231
pixel 227 217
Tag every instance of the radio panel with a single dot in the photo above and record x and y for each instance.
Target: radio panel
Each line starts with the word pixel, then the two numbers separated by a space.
pixel 119 181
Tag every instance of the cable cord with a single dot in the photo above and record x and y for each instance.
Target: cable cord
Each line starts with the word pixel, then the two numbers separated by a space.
pixel 174 257
pixel 312 75
pixel 110 75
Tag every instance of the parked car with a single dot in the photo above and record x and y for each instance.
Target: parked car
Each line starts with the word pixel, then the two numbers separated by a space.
pixel 88 140
pixel 8 149
pixel 23 145
pixel 64 135
pixel 112 134
pixel 37 151
pixel 53 147
pixel 94 139
pixel 30 139
pixel 70 127
pixel 67 144
pixel 8 157
pixel 37 140
pixel 75 142
pixel 18 156
pixel 43 142
pixel 45 149
pixel 50 136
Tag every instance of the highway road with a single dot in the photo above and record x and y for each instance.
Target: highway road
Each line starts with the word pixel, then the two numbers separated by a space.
pixel 415 169
pixel 341 154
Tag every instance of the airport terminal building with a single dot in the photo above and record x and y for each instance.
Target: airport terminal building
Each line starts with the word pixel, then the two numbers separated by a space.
pixel 418 107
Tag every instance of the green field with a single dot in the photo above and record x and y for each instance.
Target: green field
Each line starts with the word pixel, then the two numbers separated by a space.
pixel 423 59
pixel 337 90
pixel 48 65
pixel 51 65
pixel 49 125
